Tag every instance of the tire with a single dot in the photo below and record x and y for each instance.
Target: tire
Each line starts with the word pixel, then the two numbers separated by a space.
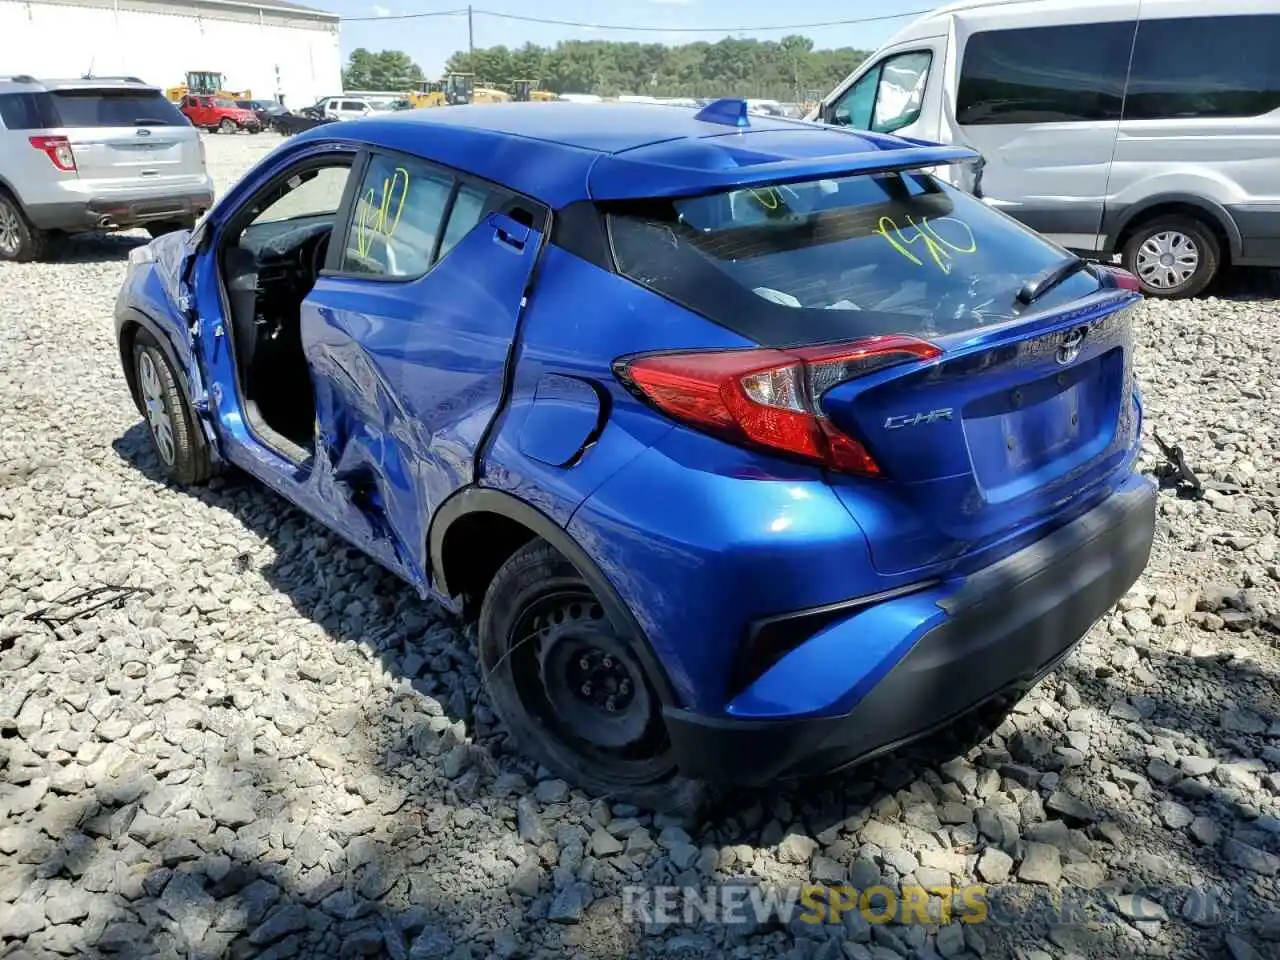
pixel 160 228
pixel 227 125
pixel 538 686
pixel 175 433
pixel 1180 256
pixel 19 240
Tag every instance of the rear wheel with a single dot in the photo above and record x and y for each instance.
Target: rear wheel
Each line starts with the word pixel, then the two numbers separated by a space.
pixel 227 125
pixel 570 688
pixel 19 240
pixel 1172 257
pixel 175 433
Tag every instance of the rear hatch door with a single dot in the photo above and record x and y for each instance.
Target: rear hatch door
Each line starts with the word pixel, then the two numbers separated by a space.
pixel 132 136
pixel 1028 408
pixel 1003 430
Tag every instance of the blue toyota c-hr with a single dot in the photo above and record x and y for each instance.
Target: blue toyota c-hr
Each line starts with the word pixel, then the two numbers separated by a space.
pixel 756 449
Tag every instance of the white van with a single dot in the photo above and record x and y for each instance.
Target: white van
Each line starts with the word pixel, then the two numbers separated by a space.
pixel 1148 128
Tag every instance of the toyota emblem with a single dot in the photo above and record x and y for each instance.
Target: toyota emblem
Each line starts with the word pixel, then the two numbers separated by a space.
pixel 1069 349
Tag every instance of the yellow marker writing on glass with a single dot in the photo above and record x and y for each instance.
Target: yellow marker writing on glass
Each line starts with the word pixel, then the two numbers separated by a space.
pixel 375 217
pixel 938 248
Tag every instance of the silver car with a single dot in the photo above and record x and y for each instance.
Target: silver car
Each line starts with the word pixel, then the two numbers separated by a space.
pixel 94 154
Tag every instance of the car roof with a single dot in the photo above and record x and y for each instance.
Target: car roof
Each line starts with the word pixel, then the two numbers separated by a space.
pixel 30 84
pixel 561 152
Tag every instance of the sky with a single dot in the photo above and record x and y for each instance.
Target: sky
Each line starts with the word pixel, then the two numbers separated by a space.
pixel 431 40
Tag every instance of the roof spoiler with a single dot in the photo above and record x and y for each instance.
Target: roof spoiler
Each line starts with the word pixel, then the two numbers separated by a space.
pixel 660 172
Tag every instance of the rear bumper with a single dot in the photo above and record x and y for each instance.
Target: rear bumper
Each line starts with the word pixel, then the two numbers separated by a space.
pixel 119 211
pixel 959 646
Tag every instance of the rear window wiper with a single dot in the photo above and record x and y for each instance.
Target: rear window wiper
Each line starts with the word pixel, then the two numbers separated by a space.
pixel 149 122
pixel 1046 280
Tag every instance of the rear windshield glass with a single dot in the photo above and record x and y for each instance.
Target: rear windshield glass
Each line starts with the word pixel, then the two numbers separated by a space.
pixel 110 108
pixel 830 259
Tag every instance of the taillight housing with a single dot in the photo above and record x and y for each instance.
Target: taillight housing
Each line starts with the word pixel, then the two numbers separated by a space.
pixel 768 398
pixel 58 150
pixel 1120 278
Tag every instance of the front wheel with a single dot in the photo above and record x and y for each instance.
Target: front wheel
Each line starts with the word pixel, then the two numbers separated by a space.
pixel 175 432
pixel 569 687
pixel 227 126
pixel 1172 257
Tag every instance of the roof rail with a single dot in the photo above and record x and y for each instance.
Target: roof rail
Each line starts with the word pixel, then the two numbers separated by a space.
pixel 94 76
pixel 20 78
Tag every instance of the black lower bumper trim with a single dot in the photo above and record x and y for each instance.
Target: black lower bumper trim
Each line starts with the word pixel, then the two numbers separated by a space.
pixel 1007 626
pixel 103 213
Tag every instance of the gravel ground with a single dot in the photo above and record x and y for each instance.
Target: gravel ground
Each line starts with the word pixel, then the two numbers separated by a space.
pixel 280 751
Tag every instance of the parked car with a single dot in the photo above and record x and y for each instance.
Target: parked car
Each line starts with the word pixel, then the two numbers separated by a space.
pixel 265 110
pixel 81 155
pixel 287 124
pixel 219 114
pixel 351 108
pixel 836 454
pixel 1147 132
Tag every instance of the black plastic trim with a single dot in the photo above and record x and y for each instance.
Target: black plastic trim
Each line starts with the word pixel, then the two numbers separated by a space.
pixel 470 500
pixel 796 627
pixel 126 316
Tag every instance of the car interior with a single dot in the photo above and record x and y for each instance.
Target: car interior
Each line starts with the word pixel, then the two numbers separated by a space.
pixel 270 262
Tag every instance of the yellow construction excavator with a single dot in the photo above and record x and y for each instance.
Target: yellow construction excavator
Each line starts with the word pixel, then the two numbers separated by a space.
pixel 451 90
pixel 205 83
pixel 523 91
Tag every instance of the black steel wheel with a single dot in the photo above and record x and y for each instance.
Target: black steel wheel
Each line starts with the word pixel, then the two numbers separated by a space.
pixel 570 686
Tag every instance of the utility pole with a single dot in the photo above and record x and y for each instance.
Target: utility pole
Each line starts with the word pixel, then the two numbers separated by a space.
pixel 471 43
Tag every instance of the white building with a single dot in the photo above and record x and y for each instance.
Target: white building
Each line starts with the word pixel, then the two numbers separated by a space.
pixel 273 48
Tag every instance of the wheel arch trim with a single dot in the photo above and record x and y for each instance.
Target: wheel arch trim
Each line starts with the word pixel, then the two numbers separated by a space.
pixel 1126 216
pixel 472 500
pixel 133 317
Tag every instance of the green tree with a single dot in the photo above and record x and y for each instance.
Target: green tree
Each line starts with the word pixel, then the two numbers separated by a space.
pixel 386 70
pixel 785 69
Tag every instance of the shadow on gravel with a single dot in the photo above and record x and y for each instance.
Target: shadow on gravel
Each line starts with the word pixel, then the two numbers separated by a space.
pixel 1248 283
pixel 95 247
pixel 371 613
pixel 110 893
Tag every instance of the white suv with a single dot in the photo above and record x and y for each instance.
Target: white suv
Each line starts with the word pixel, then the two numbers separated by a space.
pixel 96 154
pixel 349 108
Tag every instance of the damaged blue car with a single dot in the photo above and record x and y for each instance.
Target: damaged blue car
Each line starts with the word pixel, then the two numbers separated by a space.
pixel 756 447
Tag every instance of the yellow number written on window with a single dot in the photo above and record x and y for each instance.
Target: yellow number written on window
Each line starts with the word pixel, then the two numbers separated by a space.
pixel 379 215
pixel 932 243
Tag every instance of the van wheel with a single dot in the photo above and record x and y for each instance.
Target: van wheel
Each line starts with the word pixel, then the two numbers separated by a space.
pixel 570 689
pixel 19 240
pixel 175 432
pixel 227 126
pixel 1172 257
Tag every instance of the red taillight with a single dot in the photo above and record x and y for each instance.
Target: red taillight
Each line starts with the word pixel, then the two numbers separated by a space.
pixel 769 398
pixel 1121 278
pixel 58 150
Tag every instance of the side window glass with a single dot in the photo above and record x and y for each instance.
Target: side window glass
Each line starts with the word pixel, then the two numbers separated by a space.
pixel 307 194
pixel 398 213
pixel 854 108
pixel 900 93
pixel 1044 74
pixel 1225 66
pixel 468 210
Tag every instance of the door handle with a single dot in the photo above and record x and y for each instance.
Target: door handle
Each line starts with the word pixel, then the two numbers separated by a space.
pixel 510 233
